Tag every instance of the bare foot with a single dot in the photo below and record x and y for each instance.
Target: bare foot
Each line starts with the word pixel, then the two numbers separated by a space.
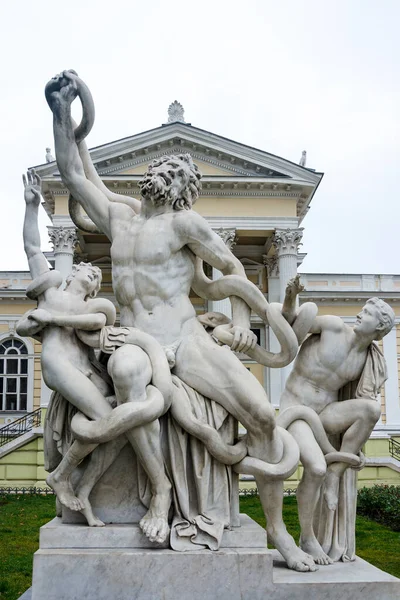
pixel 87 512
pixel 312 547
pixel 295 558
pixel 331 489
pixel 64 492
pixel 154 524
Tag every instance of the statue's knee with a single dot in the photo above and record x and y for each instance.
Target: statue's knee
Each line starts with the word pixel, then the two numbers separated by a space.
pixel 319 470
pixel 266 418
pixel 315 470
pixel 372 411
pixel 127 364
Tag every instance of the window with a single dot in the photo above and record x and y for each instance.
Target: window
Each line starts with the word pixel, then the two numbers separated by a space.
pixel 13 375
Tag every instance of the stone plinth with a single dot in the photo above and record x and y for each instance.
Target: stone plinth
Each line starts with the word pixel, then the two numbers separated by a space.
pixel 357 580
pixel 76 562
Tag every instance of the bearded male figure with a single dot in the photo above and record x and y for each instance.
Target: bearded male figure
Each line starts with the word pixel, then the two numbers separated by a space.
pixel 154 245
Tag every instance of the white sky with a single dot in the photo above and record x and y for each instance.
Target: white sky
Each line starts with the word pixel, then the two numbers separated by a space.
pixel 282 76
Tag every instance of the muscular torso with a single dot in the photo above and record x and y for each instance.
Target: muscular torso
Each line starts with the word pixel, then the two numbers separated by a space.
pixel 325 363
pixel 152 274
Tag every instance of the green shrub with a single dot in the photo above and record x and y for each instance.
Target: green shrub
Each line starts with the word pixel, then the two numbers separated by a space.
pixel 381 503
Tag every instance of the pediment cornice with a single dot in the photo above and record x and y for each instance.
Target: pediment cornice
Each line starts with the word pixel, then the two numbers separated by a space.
pixel 203 145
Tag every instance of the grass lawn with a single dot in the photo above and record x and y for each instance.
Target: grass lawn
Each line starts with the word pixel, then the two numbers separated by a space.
pixel 21 517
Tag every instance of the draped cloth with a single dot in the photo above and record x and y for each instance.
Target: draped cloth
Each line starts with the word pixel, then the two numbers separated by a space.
pixel 202 486
pixel 335 530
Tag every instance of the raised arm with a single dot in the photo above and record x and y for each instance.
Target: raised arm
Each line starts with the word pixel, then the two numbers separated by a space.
pixel 36 259
pixel 61 91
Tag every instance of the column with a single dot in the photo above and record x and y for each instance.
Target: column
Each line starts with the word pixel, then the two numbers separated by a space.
pixel 64 240
pixel 392 383
pixel 228 236
pixel 274 377
pixel 286 243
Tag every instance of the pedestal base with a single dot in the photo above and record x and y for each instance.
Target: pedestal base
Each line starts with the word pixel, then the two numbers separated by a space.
pixel 76 562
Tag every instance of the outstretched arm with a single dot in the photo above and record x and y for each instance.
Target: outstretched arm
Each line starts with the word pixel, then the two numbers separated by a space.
pixel 61 91
pixel 36 259
pixel 293 288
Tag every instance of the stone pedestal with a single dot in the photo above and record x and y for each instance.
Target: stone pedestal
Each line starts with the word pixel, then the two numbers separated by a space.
pixel 76 562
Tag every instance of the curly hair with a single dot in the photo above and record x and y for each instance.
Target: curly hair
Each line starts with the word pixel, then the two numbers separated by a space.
pixel 177 184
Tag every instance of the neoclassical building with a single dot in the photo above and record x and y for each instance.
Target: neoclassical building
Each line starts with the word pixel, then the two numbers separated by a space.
pixel 256 202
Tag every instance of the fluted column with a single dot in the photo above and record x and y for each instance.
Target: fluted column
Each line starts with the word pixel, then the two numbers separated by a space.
pixel 286 243
pixel 228 235
pixel 64 240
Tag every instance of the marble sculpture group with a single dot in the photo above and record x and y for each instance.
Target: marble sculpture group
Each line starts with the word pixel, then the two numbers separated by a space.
pixel 164 381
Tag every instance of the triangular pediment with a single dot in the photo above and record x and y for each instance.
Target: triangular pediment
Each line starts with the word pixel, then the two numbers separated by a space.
pixel 216 156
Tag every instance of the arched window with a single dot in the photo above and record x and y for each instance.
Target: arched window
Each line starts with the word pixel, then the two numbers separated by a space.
pixel 13 375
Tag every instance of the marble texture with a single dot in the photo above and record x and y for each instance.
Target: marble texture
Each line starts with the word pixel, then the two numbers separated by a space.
pixel 330 407
pixel 79 570
pixel 58 534
pixel 152 284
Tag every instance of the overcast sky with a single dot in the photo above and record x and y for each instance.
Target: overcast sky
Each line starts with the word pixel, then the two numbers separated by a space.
pixel 282 76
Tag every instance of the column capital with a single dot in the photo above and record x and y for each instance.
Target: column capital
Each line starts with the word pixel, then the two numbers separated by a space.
pixel 272 265
pixel 64 239
pixel 228 236
pixel 287 241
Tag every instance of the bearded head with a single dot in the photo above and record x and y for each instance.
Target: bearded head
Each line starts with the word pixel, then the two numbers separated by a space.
pixel 173 180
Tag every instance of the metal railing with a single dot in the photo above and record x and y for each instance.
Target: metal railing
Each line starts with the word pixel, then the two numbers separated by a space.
pixel 20 426
pixel 394 449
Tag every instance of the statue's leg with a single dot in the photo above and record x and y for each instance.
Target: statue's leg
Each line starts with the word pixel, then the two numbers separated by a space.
pixel 82 393
pixel 99 461
pixel 130 369
pixel 215 372
pixel 356 420
pixel 271 496
pixel 308 491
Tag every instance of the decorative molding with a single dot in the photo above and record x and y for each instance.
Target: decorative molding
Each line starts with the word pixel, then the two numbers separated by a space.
pixel 176 112
pixel 287 241
pixel 64 239
pixel 228 236
pixel 272 265
pixel 252 223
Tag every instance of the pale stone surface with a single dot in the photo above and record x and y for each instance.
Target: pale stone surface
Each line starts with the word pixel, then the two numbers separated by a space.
pixel 238 574
pixel 357 580
pixel 56 534
pixel 332 391
pixel 152 284
pixel 241 573
pixel 115 498
pixel 116 562
pixel 180 426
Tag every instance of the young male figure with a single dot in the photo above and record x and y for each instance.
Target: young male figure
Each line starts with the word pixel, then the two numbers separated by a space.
pixel 152 283
pixel 328 360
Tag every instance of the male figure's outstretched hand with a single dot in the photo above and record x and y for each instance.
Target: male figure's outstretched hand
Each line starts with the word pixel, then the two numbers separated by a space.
pixel 294 286
pixel 32 185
